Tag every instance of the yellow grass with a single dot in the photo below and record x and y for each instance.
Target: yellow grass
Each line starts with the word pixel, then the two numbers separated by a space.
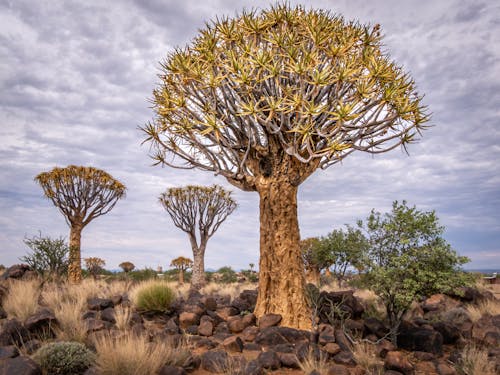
pixel 475 361
pixel 21 300
pixel 311 363
pixel 488 307
pixel 122 317
pixel 131 354
pixel 232 290
pixel 365 356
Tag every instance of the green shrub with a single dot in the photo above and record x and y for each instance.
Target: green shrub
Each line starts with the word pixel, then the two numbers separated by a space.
pixel 141 275
pixel 153 295
pixel 64 357
pixel 227 275
pixel 48 257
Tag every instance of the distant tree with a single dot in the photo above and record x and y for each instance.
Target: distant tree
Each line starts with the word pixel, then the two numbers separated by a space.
pixel 81 194
pixel 127 266
pixel 342 249
pixel 251 265
pixel 198 211
pixel 94 265
pixel 227 275
pixel 181 264
pixel 409 259
pixel 48 257
pixel 267 98
pixel 314 260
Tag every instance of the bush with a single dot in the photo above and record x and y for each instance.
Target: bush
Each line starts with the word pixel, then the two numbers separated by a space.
pixel 21 300
pixel 64 357
pixel 48 257
pixel 153 295
pixel 227 275
pixel 142 275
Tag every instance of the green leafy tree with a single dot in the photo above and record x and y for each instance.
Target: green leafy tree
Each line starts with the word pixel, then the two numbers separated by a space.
pixel 265 99
pixel 94 265
pixel 48 257
pixel 314 258
pixel 409 259
pixel 81 194
pixel 341 249
pixel 199 211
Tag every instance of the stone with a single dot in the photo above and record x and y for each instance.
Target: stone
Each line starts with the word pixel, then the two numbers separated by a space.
pixel 13 332
pixel 444 368
pixel 99 303
pixel 269 360
pixel 196 308
pixel 424 356
pixel 416 338
pixel 187 319
pixel 19 366
pixel 41 322
pixel 439 302
pixel 249 333
pixel 3 314
pixel 284 348
pixel 236 324
pixel 344 358
pixel 240 304
pixel 376 327
pixel 253 368
pixel 357 327
pixel 338 370
pixel 226 312
pixel 9 351
pixel 172 370
pixel 205 343
pixel 425 367
pixel 484 326
pixel 250 296
pixel 222 328
pixel 288 360
pixel 280 335
pixel 269 320
pixel 214 361
pixel 90 314
pixel 94 325
pixel 383 347
pixel 342 341
pixel 233 344
pixel 345 300
pixel 171 328
pixel 331 348
pixel 491 339
pixel 15 272
pixel 210 303
pixel 449 332
pixel 397 361
pixel 108 315
pixel 191 330
pixel 252 347
pixel 206 328
pixel 249 319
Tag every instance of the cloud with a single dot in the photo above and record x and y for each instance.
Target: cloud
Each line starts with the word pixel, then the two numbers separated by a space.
pixel 75 78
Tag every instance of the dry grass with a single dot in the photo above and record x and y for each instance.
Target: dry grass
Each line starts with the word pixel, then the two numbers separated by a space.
pixel 232 290
pixel 488 307
pixel 21 300
pixel 122 317
pixel 475 361
pixel 131 354
pixel 312 363
pixel 372 303
pixel 365 356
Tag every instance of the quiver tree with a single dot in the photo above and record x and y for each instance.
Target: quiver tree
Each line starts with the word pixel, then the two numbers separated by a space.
pixel 198 211
pixel 127 266
pixel 81 194
pixel 265 99
pixel 94 265
pixel 181 264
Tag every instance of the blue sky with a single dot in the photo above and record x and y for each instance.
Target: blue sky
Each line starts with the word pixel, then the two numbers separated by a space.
pixel 75 83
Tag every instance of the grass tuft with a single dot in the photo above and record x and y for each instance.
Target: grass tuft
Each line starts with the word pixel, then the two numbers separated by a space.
pixel 152 295
pixel 475 361
pixel 312 363
pixel 22 297
pixel 365 356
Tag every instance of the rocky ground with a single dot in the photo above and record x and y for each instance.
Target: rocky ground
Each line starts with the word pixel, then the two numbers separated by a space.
pixel 223 335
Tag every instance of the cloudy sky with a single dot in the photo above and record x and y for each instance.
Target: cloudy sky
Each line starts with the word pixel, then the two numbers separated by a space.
pixel 75 83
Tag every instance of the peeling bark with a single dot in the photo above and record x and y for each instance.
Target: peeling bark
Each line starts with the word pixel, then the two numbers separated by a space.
pixel 75 260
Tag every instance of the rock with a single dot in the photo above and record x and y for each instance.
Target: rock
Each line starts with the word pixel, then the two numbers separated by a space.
pixel 357 327
pixel 469 294
pixel 492 339
pixel 206 326
pixel 338 370
pixel 284 348
pixel 214 361
pixel 108 315
pixel 439 302
pixel 171 328
pixel 226 312
pixel 252 347
pixel 344 358
pixel 397 361
pixel 249 319
pixel 346 302
pixel 241 304
pixel 94 325
pixel 3 314
pixel 420 339
pixel 196 308
pixel 210 303
pixel 172 370
pixel 383 347
pixel 41 322
pixel 99 303
pixel 236 324
pixel 9 351
pixel 482 328
pixel 449 332
pixel 233 344
pixel 342 340
pixel 269 320
pixel 326 334
pixel 269 360
pixel 13 332
pixel 253 368
pixel 424 356
pixel 191 330
pixel 222 328
pixel 250 297
pixel 90 314
pixel 249 333
pixel 280 335
pixel 19 366
pixel 288 360
pixel 444 368
pixel 16 271
pixel 376 327
pixel 187 319
pixel 425 368
pixel 331 348
pixel 205 343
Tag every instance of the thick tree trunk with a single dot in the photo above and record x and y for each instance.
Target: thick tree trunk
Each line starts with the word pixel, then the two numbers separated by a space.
pixel 75 261
pixel 281 274
pixel 198 280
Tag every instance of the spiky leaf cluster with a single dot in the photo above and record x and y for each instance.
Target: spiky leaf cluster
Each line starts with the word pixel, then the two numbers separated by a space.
pixel 127 266
pixel 81 193
pixel 198 207
pixel 181 263
pixel 304 82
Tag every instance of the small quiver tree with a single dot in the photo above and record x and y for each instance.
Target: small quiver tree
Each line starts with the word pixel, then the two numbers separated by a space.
pixel 181 264
pixel 127 266
pixel 265 99
pixel 94 265
pixel 81 194
pixel 198 211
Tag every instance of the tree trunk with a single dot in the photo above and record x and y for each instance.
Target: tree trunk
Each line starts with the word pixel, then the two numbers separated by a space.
pixel 281 272
pixel 198 276
pixel 75 262
pixel 181 276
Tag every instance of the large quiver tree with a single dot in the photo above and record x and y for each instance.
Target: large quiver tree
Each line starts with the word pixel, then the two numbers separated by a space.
pixel 265 99
pixel 81 194
pixel 199 211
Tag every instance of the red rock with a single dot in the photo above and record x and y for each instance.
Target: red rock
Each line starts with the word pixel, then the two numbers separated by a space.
pixel 398 361
pixel 233 344
pixel 269 320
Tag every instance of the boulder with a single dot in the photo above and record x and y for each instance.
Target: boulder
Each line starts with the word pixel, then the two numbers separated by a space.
pixel 241 304
pixel 171 370
pixel 210 303
pixel 288 360
pixel 249 333
pixel 344 358
pixel 338 370
pixel 19 366
pixel 9 351
pixel 253 368
pixel 41 322
pixel 13 332
pixel 486 329
pixel 280 335
pixel 16 271
pixel 269 360
pixel 195 308
pixel 450 332
pixel 214 361
pixel 108 315
pixel 383 347
pixel 98 304
pixel 171 328
pixel 269 320
pixel 416 338
pixel 206 326
pixel 332 348
pixel 236 324
pixel 376 327
pixel 397 361
pixel 233 344
pixel 346 302
pixel 326 334
pixel 187 319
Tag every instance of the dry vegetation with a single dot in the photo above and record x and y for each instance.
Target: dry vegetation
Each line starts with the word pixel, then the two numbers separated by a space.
pixel 475 361
pixel 488 307
pixel 365 356
pixel 22 299
pixel 312 362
